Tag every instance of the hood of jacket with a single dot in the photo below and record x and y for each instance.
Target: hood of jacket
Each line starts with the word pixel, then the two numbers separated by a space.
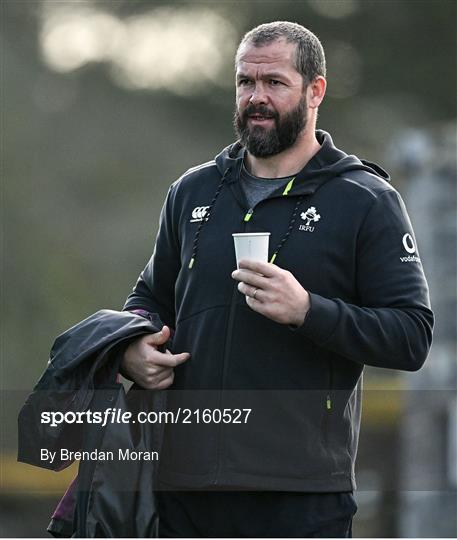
pixel 329 162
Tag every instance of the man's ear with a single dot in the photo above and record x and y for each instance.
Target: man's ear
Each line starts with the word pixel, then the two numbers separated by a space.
pixel 316 92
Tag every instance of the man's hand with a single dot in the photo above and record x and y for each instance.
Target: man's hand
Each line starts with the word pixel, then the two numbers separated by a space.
pixel 149 367
pixel 275 293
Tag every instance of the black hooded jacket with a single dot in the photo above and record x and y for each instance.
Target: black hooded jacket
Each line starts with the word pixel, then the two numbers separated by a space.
pixel 342 230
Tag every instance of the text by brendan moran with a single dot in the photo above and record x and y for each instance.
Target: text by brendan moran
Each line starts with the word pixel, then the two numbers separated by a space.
pixel 122 454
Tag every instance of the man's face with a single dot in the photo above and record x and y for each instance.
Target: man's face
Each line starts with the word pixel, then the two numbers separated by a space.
pixel 271 107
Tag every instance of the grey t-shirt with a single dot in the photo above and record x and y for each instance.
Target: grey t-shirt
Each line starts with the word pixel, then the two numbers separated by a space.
pixel 257 189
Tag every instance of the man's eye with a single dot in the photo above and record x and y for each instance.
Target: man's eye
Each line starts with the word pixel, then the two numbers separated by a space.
pixel 243 82
pixel 275 82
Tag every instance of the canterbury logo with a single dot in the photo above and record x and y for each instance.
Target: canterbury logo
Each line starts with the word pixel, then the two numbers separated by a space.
pixel 199 213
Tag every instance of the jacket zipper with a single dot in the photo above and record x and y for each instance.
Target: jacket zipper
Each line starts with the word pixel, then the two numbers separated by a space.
pixel 328 401
pixel 247 217
pixel 225 362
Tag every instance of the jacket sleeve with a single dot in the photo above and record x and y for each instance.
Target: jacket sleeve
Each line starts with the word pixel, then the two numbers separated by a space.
pixel 154 290
pixel 391 325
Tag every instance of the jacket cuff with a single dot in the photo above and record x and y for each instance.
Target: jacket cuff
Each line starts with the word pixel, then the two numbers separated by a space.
pixel 321 319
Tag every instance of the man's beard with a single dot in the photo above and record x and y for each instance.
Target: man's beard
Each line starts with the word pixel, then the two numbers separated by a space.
pixel 263 142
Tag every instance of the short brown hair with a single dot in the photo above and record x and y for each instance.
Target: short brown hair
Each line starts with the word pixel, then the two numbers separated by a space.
pixel 309 56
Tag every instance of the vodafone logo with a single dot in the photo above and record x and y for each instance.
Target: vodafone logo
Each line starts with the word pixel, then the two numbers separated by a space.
pixel 199 213
pixel 408 243
pixel 410 247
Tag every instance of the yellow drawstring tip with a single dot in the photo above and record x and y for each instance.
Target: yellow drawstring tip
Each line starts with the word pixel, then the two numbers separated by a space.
pixel 248 216
pixel 289 186
pixel 329 403
pixel 191 263
pixel 272 260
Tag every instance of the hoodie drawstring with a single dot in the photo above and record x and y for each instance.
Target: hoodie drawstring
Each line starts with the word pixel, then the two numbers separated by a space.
pixel 206 218
pixel 292 220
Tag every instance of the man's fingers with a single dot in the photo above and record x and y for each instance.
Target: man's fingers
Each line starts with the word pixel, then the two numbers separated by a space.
pixel 249 290
pixel 251 278
pixel 159 374
pixel 152 384
pixel 165 383
pixel 267 269
pixel 170 360
pixel 254 304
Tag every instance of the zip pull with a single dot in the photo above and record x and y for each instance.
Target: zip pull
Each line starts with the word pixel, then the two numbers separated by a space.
pixel 248 216
pixel 329 402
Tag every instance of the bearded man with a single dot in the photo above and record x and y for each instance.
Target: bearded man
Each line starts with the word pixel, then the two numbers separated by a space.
pixel 344 287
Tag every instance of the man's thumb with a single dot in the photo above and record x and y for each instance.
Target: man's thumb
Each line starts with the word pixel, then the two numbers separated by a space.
pixel 159 338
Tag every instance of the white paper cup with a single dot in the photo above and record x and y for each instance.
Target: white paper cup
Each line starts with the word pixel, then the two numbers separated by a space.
pixel 253 246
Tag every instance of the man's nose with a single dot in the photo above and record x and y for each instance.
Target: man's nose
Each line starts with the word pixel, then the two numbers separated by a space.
pixel 258 95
